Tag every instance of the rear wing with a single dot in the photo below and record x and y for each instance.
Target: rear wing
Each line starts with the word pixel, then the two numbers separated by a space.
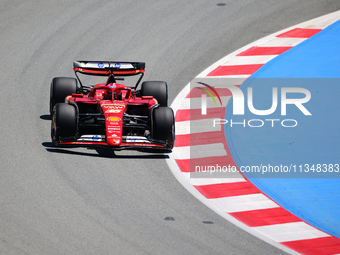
pixel 103 68
pixel 106 68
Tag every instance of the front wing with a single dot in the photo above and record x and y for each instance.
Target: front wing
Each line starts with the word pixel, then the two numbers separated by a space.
pixel 128 142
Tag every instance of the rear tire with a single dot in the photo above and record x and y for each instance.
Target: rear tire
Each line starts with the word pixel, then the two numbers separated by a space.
pixel 157 89
pixel 61 87
pixel 163 125
pixel 64 121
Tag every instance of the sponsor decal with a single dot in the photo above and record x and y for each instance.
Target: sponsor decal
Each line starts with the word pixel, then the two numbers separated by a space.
pixel 113 118
pixel 111 123
pixel 113 131
pixel 113 111
pixel 115 140
pixel 101 65
pixel 99 93
pixel 114 128
pixel 117 65
pixel 95 138
pixel 113 108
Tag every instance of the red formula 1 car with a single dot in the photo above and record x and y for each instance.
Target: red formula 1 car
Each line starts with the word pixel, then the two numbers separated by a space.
pixel 110 114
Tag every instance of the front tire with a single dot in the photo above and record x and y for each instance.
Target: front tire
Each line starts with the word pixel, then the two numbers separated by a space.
pixel 64 122
pixel 163 125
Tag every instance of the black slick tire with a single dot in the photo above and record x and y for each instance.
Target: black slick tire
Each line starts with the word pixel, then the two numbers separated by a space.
pixel 64 122
pixel 157 89
pixel 163 125
pixel 60 88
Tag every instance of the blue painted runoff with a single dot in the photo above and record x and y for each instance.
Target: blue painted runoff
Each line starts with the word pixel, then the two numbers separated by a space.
pixel 299 152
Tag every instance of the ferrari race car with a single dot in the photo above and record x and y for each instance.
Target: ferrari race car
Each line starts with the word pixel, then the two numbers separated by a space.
pixel 110 114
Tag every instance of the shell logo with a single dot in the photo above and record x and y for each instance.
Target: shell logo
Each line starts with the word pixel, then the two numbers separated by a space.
pixel 113 118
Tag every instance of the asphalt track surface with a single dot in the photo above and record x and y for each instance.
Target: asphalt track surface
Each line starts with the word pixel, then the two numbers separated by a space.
pixel 81 201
